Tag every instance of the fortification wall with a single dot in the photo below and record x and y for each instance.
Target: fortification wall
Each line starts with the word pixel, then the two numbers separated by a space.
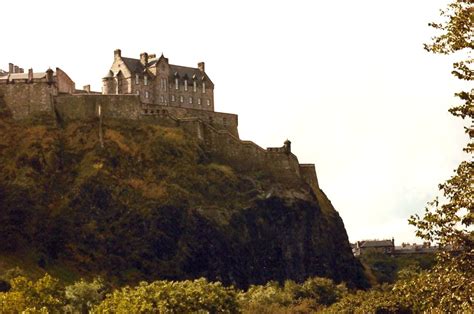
pixel 219 120
pixel 27 99
pixel 86 106
pixel 308 174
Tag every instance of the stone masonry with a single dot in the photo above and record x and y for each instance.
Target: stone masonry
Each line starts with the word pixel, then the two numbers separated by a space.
pixel 151 90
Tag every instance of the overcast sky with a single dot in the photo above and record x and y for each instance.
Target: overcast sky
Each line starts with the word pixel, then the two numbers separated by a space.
pixel 348 82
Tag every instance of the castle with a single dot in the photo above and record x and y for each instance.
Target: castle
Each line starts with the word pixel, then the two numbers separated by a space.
pixel 151 90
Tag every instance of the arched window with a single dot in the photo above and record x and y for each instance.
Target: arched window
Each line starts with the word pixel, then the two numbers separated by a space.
pixel 185 85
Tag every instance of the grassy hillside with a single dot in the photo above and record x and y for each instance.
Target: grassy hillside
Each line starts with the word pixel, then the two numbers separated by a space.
pixel 152 204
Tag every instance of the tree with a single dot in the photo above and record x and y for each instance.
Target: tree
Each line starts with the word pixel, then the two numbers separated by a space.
pixel 449 223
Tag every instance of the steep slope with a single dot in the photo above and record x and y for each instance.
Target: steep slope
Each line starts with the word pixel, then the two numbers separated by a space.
pixel 153 204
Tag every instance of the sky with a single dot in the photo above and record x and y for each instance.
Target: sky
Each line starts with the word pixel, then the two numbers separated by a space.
pixel 348 82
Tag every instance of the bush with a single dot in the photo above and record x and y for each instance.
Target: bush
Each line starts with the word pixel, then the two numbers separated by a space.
pixel 172 296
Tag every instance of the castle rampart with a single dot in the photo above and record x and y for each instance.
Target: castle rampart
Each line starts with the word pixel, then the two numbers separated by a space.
pixel 54 93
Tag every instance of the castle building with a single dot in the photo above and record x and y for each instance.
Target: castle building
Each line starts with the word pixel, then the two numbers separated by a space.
pixel 151 90
pixel 158 82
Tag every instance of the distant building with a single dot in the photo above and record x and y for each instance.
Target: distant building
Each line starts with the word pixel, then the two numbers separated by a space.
pixel 425 248
pixel 381 246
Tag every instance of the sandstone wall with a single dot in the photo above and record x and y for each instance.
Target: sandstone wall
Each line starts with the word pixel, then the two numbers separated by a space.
pixel 27 99
pixel 308 174
pixel 86 106
pixel 219 120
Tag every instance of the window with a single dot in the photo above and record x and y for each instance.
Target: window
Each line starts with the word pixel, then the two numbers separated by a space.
pixel 137 79
pixel 161 98
pixel 181 99
pixel 176 83
pixel 203 87
pixel 185 85
pixel 138 92
pixel 208 102
pixel 147 95
pixel 172 98
pixel 163 84
pixel 190 100
pixel 199 101
pixel 194 86
pixel 145 80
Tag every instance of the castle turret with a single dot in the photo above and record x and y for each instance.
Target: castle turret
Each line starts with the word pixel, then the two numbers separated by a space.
pixel 287 146
pixel 49 76
pixel 108 84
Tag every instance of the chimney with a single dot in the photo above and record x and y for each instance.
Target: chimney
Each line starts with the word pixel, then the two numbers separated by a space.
pixel 16 69
pixel 201 66
pixel 152 56
pixel 10 68
pixel 22 70
pixel 30 75
pixel 144 58
pixel 117 53
pixel 87 88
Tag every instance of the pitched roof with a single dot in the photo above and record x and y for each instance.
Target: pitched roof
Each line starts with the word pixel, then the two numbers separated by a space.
pixel 136 67
pixel 375 243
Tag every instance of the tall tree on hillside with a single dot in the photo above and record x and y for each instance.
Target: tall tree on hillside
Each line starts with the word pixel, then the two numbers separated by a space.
pixel 450 222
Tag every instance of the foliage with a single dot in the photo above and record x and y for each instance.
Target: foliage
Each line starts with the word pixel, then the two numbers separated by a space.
pixel 32 296
pixel 313 294
pixel 445 290
pixel 386 268
pixel 172 297
pixel 450 223
pixel 82 296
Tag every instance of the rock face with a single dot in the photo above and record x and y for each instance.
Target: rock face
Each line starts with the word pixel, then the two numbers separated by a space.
pixel 153 204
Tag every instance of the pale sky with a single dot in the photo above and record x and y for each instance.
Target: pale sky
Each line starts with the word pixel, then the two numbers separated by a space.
pixel 348 82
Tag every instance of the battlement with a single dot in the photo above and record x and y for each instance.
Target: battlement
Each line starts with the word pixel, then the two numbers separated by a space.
pixel 53 93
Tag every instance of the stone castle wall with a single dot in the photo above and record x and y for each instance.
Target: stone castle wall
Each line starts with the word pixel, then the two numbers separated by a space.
pixel 86 106
pixel 217 131
pixel 27 99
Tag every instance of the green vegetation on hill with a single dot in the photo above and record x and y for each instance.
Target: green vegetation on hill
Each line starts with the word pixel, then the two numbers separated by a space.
pixel 153 204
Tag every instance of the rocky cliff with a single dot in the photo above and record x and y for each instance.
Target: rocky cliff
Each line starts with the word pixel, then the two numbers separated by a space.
pixel 152 203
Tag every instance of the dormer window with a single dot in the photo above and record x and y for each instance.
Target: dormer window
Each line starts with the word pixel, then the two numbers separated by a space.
pixel 185 85
pixel 194 86
pixel 145 80
pixel 176 83
pixel 203 87
pixel 137 79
